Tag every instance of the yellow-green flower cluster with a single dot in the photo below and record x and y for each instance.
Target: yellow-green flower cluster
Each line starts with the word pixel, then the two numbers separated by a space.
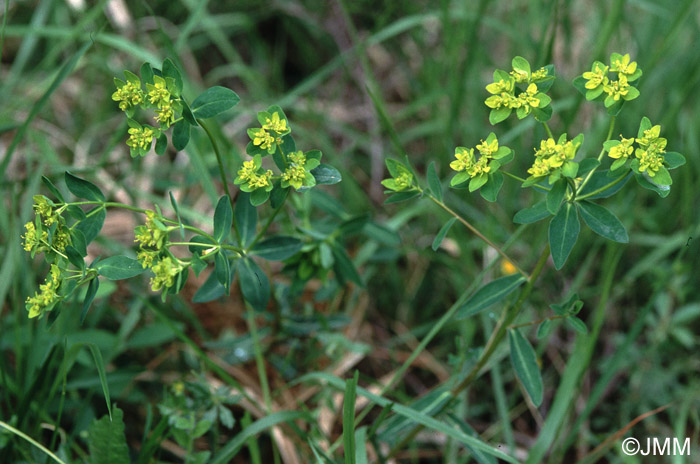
pixel 651 150
pixel 47 296
pixel 402 177
pixel 297 174
pixel 141 138
pixel 49 231
pixel 553 155
pixel 165 270
pixel 251 176
pixel 269 136
pixel 153 234
pixel 476 170
pixel 598 83
pixel 165 102
pixel 128 94
pixel 518 90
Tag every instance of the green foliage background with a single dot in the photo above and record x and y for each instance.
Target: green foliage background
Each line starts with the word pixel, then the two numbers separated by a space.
pixel 340 70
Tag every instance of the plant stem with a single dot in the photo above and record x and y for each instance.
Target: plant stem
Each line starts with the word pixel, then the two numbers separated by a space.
pixel 611 126
pixel 507 318
pixel 520 179
pixel 549 131
pixel 602 189
pixel 478 233
pixel 222 170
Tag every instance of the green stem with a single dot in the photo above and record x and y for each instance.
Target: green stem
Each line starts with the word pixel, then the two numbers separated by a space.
pixel 26 437
pixel 549 131
pixel 267 225
pixel 602 189
pixel 478 233
pixel 222 170
pixel 520 179
pixel 507 318
pixel 260 361
pixel 611 126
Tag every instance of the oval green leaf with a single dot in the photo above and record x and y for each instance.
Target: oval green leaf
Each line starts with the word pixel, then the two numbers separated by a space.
pixel 277 248
pixel 213 101
pixel 603 222
pixel 563 232
pixel 119 267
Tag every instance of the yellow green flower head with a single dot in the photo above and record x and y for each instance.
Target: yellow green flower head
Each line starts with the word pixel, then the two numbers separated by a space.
pixel 47 295
pixel 480 167
pixel 165 115
pixel 140 138
pixel 128 95
pixel 552 155
pixel 649 161
pixel 539 74
pixel 44 208
pixel 501 86
pixel 252 177
pixel 146 257
pixel 263 138
pixel 488 149
pixel 617 89
pixel 165 271
pixel 540 168
pixel 402 177
pixel 622 64
pixel 275 124
pixel 158 93
pixel 464 159
pixel 294 175
pixel 623 150
pixel 597 76
pixel 153 234
pixel 649 136
pixel 60 239
pixel 32 238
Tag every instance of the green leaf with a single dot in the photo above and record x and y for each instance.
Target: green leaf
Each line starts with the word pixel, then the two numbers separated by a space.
pixel 586 165
pixel 532 214
pixel 542 114
pixel 489 191
pixel 146 72
pixel 222 269
pixel 170 70
pixel 442 233
pixel 524 361
pixel 57 194
pixel 672 158
pixel 434 181
pixel 563 232
pixel 361 446
pixel 544 329
pixel 521 64
pixel 662 177
pixel 78 242
pixel 600 179
pixel 401 196
pixel 344 267
pixel 93 286
pixel 210 290
pixel 603 222
pixel 556 195
pixel 161 144
pixel 489 294
pixel 82 188
pixel 277 248
pixel 107 441
pixel 477 182
pixel 349 419
pixel 91 225
pixel 188 115
pixel 246 217
pixel 325 174
pixel 119 267
pixel 181 135
pixel 223 219
pixel 254 284
pixel 662 190
pixel 173 202
pixel 213 101
pixel 577 324
pixel 501 114
pixel 579 84
pixel 259 196
pixel 100 366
